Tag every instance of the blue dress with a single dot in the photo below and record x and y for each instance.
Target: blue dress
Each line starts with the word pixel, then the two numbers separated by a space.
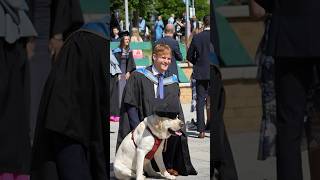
pixel 159 26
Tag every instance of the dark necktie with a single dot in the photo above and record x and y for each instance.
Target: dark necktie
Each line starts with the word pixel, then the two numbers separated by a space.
pixel 160 90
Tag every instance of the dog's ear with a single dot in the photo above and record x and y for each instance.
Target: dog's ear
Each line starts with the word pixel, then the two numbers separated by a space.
pixel 158 123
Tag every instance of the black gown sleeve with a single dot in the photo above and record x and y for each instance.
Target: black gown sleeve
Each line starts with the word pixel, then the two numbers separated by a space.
pixel 131 93
pixel 191 54
pixel 131 98
pixel 133 115
pixel 177 53
pixel 66 17
pixel 131 65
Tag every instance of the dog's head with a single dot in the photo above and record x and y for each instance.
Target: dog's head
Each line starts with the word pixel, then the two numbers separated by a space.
pixel 164 127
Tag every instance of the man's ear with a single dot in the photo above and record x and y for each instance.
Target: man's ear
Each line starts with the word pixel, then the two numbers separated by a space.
pixel 153 57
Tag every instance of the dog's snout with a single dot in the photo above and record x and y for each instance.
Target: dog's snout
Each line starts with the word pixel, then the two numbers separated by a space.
pixel 181 124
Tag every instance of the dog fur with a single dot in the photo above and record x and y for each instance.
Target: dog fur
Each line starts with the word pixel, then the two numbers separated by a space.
pixel 130 161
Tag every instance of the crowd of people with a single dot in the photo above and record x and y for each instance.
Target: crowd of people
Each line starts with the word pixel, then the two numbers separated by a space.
pixel 153 30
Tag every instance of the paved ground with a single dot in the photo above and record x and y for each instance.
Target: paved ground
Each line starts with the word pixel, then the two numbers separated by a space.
pixel 199 149
pixel 245 148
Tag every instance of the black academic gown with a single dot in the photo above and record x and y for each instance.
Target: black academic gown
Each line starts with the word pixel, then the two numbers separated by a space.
pixel 129 62
pixel 114 95
pixel 46 15
pixel 15 147
pixel 74 104
pixel 126 64
pixel 139 93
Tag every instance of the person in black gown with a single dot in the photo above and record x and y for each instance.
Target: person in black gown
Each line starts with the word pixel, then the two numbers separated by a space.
pixel 72 127
pixel 114 90
pixel 141 91
pixel 15 31
pixel 126 62
pixel 54 20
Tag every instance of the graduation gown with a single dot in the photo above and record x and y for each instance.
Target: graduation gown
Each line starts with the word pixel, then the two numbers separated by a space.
pixel 15 28
pixel 49 18
pixel 130 65
pixel 126 64
pixel 15 147
pixel 75 104
pixel 114 90
pixel 114 95
pixel 139 93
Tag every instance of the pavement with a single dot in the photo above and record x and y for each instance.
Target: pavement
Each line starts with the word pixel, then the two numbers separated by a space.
pixel 199 149
pixel 245 151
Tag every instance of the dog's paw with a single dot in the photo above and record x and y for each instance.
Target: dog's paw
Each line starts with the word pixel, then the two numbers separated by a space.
pixel 141 177
pixel 154 174
pixel 167 175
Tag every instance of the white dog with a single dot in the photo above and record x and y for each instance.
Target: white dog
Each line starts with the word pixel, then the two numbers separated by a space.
pixel 131 160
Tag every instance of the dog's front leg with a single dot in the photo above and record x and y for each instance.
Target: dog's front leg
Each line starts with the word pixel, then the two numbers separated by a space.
pixel 159 160
pixel 139 164
pixel 149 169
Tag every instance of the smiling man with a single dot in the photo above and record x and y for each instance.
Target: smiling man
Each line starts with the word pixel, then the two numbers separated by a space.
pixel 143 89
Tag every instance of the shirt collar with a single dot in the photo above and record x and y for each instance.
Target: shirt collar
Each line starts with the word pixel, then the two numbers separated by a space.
pixel 207 29
pixel 155 71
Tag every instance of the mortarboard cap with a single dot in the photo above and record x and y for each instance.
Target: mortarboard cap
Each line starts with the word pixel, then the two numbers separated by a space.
pixel 124 33
pixel 168 107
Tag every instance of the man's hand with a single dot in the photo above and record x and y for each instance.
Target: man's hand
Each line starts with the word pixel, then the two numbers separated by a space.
pixel 55 44
pixel 127 75
pixel 30 48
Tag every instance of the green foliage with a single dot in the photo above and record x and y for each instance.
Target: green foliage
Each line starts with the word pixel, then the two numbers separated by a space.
pixel 160 7
pixel 202 8
pixel 166 8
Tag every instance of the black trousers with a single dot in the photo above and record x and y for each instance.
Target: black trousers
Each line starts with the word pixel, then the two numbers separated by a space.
pixel 202 93
pixel 293 78
pixel 71 159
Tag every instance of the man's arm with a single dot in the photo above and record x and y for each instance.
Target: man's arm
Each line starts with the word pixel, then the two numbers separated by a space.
pixel 192 52
pixel 133 115
pixel 177 53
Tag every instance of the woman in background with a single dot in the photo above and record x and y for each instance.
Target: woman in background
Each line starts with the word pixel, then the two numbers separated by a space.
pixel 135 37
pixel 158 28
pixel 126 62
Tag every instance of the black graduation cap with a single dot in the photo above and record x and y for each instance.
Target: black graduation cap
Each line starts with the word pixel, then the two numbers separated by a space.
pixel 124 33
pixel 168 107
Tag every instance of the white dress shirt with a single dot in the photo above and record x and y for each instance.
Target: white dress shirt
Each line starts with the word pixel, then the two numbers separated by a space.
pixel 155 72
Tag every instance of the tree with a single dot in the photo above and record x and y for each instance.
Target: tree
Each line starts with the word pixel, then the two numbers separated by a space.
pixel 166 8
pixel 202 8
pixel 146 8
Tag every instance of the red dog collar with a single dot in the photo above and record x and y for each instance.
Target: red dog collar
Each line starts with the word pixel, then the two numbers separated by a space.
pixel 155 147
